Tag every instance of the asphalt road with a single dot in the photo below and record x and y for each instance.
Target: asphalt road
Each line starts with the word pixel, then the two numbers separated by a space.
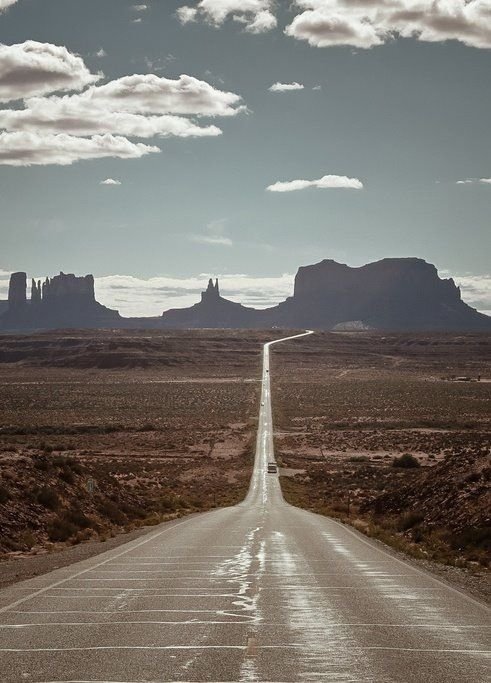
pixel 258 592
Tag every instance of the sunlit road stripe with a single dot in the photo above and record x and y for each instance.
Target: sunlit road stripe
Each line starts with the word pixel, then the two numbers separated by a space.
pixel 287 646
pixel 140 596
pixel 193 622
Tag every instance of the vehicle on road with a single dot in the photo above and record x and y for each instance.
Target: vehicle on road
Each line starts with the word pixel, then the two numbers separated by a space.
pixel 272 468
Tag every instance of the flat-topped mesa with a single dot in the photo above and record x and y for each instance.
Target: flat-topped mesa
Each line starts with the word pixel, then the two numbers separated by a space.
pixel 403 279
pixel 394 293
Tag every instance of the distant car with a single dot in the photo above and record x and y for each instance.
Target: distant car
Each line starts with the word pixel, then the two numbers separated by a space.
pixel 272 468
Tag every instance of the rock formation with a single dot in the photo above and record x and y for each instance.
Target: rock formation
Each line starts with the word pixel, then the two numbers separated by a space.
pixel 61 301
pixel 17 291
pixel 404 294
pixel 212 311
pixel 391 294
pixel 394 293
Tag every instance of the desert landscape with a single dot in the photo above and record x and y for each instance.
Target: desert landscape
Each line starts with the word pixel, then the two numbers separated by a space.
pixel 110 431
pixel 105 431
pixel 390 433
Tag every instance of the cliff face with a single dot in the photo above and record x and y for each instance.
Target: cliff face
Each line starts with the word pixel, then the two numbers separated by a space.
pixel 397 294
pixel 61 301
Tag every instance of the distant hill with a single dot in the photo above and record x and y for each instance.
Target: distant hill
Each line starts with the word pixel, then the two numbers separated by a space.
pixel 399 294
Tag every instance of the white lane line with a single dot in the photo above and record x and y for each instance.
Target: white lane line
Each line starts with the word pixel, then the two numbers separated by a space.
pixel 193 622
pixel 138 595
pixel 90 589
pixel 288 646
pixel 35 594
pixel 223 613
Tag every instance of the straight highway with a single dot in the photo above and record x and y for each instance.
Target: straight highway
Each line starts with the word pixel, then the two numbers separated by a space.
pixel 261 591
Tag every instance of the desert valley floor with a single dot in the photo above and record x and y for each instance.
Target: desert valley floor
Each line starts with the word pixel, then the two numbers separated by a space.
pixel 105 432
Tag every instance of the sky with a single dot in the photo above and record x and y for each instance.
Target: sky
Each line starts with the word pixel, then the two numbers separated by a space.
pixel 157 144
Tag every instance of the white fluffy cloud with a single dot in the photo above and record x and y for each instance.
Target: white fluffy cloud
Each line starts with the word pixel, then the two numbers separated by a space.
pixel 475 181
pixel 33 68
pixel 4 4
pixel 368 23
pixel 151 94
pixel 324 183
pixel 110 182
pixel 34 149
pixel 77 115
pixel 357 23
pixel 141 106
pixel 256 15
pixel 285 87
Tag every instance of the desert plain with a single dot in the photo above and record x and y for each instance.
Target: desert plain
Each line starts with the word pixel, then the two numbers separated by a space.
pixel 105 432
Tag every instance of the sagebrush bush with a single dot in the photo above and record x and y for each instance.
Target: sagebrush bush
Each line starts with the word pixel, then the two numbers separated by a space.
pixel 4 495
pixel 408 520
pixel 406 461
pixel 48 497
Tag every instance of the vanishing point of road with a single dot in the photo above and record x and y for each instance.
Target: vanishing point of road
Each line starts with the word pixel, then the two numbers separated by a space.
pixel 261 591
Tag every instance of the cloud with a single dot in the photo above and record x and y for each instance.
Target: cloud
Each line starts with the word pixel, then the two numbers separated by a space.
pixel 368 23
pixel 326 182
pixel 322 28
pixel 263 22
pixel 110 181
pixel 29 149
pixel 476 289
pixel 134 296
pixel 151 94
pixel 33 68
pixel 474 181
pixel 139 8
pixel 256 15
pixel 357 23
pixel 5 4
pixel 213 240
pixel 78 115
pixel 285 87
pixel 141 106
pixel 186 14
pixel 215 234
